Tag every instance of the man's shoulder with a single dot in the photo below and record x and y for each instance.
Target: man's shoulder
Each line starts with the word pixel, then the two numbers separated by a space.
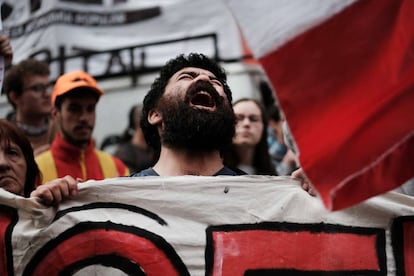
pixel 223 171
pixel 46 165
pixel 106 156
pixel 146 172
pixel 47 154
pixel 111 164
pixel 103 153
pixel 227 171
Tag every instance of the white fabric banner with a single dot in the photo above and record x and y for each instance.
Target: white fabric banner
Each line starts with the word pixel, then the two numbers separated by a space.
pixel 243 225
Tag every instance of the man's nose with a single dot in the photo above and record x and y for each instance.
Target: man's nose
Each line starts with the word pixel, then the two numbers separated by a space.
pixel 202 77
pixel 84 114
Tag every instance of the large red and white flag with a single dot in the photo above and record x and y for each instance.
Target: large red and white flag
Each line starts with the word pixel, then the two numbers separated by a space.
pixel 343 72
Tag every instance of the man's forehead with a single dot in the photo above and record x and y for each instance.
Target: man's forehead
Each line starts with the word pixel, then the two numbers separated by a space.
pixel 195 70
pixel 29 78
pixel 82 98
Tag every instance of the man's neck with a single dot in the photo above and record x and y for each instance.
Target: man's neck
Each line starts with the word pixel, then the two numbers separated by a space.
pixel 32 125
pixel 176 162
pixel 33 120
pixel 81 144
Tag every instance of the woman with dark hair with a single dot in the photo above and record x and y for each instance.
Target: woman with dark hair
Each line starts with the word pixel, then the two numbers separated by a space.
pixel 249 151
pixel 15 145
pixel 19 173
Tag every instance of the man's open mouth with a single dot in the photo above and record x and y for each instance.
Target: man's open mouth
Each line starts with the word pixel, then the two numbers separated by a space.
pixel 202 95
pixel 202 99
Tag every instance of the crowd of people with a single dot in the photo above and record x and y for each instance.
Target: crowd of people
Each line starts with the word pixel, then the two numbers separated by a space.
pixel 187 124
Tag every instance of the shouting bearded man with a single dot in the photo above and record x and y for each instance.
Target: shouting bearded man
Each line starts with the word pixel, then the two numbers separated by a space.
pixel 188 119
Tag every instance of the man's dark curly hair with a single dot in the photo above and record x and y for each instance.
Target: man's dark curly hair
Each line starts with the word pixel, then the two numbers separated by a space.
pixel 158 86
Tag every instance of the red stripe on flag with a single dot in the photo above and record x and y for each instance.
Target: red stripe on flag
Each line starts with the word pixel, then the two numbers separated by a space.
pixel 347 90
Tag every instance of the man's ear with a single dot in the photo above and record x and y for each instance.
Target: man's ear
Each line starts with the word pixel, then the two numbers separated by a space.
pixel 154 117
pixel 14 98
pixel 54 112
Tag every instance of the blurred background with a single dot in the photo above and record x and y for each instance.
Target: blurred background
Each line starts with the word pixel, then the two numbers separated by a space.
pixel 123 43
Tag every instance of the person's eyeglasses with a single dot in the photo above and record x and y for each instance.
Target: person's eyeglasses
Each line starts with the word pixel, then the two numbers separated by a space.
pixel 40 88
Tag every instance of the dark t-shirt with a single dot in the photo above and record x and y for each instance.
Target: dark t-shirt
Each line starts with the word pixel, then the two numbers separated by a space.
pixel 151 172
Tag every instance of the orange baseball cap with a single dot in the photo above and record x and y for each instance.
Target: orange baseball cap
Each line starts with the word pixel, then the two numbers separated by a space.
pixel 76 79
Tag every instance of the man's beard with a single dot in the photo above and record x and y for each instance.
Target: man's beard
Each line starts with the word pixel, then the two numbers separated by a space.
pixel 199 130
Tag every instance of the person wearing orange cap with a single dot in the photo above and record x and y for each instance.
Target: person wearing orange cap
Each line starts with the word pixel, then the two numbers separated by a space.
pixel 72 151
